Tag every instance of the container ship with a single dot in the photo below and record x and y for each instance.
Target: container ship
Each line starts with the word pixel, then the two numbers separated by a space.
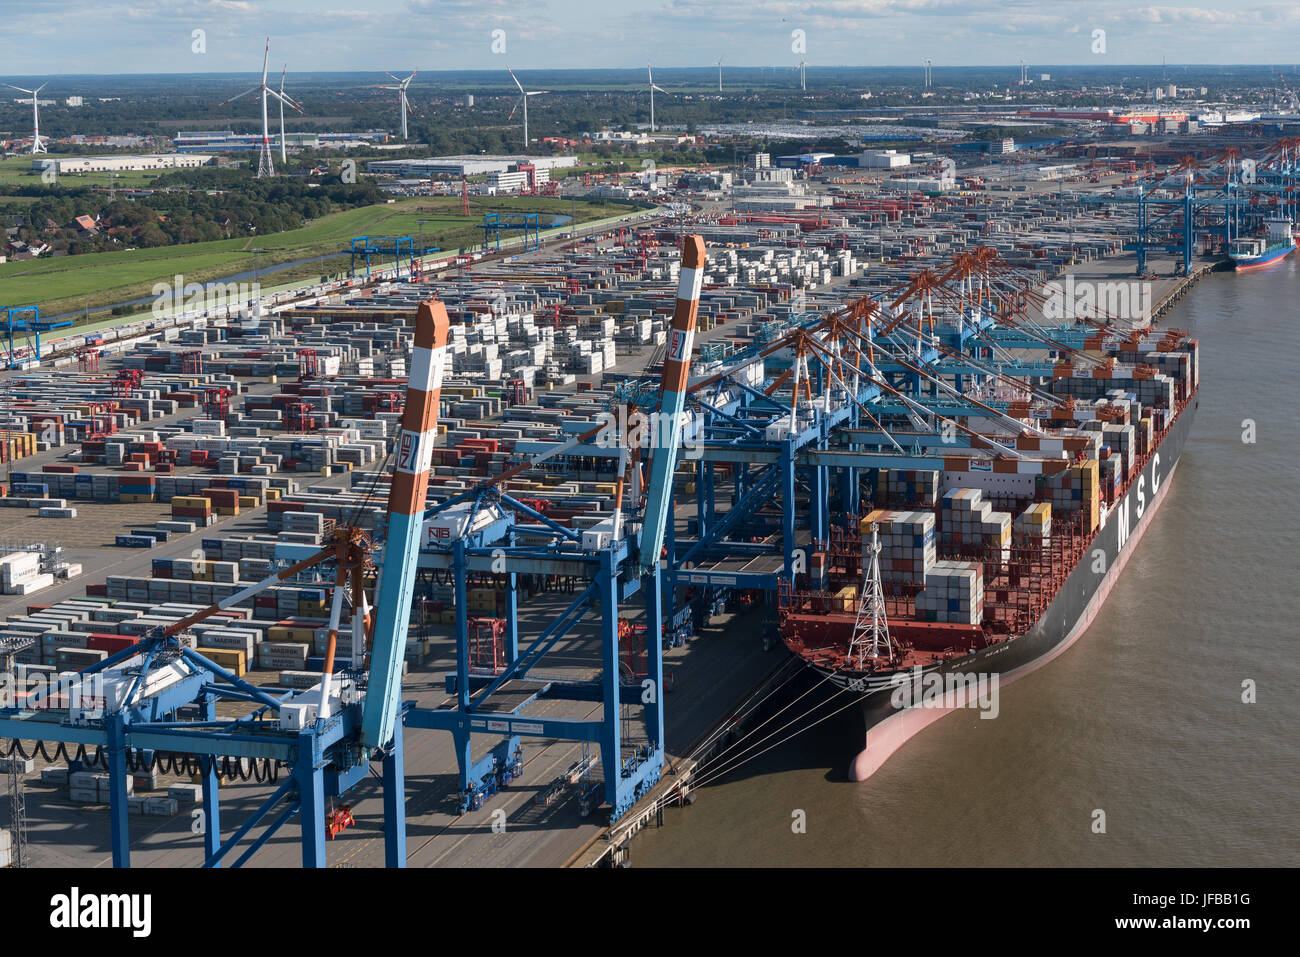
pixel 964 577
pixel 1259 251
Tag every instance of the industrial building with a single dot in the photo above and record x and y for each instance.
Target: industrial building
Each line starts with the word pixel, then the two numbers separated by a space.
pixel 769 196
pixel 227 141
pixel 457 166
pixel 520 177
pixel 884 159
pixel 63 165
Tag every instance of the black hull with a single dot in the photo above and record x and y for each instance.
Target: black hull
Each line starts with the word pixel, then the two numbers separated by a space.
pixel 889 722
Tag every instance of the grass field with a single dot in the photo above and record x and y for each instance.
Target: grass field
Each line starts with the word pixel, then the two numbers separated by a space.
pixel 71 283
pixel 17 171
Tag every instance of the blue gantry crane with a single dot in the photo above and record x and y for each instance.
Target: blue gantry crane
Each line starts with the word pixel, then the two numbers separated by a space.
pixel 161 695
pixel 23 328
pixel 526 223
pixel 396 248
pixel 1226 197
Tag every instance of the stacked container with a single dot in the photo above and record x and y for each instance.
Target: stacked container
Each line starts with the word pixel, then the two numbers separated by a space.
pixel 20 574
pixel 907 544
pixel 953 593
pixel 1076 489
pixel 1033 526
pixel 909 487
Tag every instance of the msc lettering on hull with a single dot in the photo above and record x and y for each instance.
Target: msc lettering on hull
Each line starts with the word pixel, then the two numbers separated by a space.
pixel 1140 493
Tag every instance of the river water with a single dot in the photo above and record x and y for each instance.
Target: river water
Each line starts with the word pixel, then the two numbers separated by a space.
pixel 1143 719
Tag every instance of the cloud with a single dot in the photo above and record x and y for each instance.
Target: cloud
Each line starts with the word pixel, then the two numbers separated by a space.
pixel 142 35
pixel 1188 15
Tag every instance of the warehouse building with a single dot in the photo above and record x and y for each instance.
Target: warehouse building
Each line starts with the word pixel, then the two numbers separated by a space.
pixel 457 166
pixel 883 159
pixel 518 178
pixel 227 141
pixel 63 165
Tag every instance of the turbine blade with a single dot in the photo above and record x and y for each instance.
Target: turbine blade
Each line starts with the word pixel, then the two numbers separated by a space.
pixel 516 79
pixel 20 89
pixel 266 60
pixel 245 93
pixel 397 79
pixel 512 112
pixel 287 101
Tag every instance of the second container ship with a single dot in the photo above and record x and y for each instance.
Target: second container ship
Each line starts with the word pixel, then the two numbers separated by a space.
pixel 1255 252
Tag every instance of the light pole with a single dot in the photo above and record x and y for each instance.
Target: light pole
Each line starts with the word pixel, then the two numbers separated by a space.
pixel 257 295
pixel 420 234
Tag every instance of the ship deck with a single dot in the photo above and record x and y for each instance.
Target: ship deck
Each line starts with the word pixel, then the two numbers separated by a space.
pixel 818 626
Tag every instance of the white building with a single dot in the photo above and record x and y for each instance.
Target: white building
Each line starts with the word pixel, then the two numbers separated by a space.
pixel 63 165
pixel 768 196
pixel 771 174
pixel 617 136
pixel 457 166
pixel 514 181
pixel 884 159
pixel 920 184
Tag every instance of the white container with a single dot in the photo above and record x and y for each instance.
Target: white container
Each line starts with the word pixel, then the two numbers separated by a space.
pixel 186 793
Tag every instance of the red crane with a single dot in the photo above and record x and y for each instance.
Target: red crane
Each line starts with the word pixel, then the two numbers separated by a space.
pixel 216 402
pixel 298 417
pixel 127 381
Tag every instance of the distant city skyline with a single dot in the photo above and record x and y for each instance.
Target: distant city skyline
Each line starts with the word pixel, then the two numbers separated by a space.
pixel 54 37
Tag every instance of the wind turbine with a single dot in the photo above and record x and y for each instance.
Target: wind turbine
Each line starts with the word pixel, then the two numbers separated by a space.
pixel 284 156
pixel 719 74
pixel 265 167
pixel 37 145
pixel 523 98
pixel 802 85
pixel 651 77
pixel 403 104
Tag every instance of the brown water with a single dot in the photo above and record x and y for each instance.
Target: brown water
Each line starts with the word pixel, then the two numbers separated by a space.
pixel 1142 719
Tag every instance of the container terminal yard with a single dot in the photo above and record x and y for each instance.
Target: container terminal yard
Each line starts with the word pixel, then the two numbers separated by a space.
pixel 475 562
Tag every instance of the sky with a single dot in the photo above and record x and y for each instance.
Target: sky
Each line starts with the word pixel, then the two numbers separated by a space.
pixel 52 37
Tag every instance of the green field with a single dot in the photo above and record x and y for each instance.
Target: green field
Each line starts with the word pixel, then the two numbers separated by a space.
pixel 95 280
pixel 17 171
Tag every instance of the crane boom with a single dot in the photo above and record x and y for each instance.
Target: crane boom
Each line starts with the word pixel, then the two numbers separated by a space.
pixel 672 401
pixel 405 521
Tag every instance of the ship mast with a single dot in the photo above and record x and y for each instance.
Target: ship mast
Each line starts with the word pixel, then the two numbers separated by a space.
pixel 871 628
